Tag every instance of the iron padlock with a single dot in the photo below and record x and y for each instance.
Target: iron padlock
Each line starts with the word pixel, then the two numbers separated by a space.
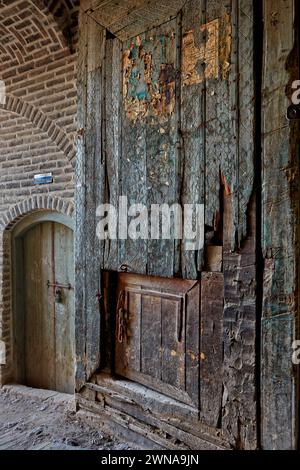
pixel 58 296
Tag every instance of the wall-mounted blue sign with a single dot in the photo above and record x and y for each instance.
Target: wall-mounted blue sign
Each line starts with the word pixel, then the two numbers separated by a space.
pixel 46 178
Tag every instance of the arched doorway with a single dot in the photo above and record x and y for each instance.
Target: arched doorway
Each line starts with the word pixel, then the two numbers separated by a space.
pixel 43 275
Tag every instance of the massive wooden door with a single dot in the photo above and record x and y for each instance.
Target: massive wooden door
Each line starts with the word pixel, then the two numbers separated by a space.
pixel 49 309
pixel 166 115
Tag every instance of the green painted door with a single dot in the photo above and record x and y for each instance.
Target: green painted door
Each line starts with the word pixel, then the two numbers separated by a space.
pixel 49 310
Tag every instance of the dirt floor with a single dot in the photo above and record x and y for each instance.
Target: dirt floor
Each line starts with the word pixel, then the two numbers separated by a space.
pixel 43 420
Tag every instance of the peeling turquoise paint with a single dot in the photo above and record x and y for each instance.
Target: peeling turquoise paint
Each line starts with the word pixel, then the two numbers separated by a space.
pixel 137 86
pixel 150 80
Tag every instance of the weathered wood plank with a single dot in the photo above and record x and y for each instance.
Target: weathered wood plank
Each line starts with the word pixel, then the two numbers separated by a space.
pixel 277 337
pixel 95 184
pixel 90 192
pixel 192 120
pixel 64 337
pixel 151 336
pixel 280 219
pixel 80 179
pixel 239 333
pixel 173 343
pixel 134 330
pixel 221 95
pixel 112 139
pixel 192 344
pixel 246 113
pixel 133 253
pixel 211 341
pixel 162 138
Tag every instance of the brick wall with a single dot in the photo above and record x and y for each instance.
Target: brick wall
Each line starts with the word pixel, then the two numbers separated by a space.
pixel 37 125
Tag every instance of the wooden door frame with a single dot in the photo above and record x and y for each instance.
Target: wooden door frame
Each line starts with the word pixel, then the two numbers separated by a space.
pixel 26 224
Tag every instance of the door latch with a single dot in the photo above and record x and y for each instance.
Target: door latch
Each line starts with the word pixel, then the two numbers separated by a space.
pixel 58 290
pixel 60 286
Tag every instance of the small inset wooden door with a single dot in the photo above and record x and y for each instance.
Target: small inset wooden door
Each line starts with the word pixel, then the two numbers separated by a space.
pixel 48 271
pixel 158 333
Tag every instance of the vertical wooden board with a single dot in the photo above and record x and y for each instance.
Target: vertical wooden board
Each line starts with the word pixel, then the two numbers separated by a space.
pixel 192 126
pixel 47 297
pixel 90 184
pixel 133 253
pixel 221 111
pixel 32 331
pixel 192 344
pixel 112 139
pixel 64 311
pixel 80 198
pixel 162 138
pixel 278 333
pixel 173 343
pixel 20 309
pixel 47 306
pixel 94 185
pixel 151 336
pixel 280 212
pixel 246 108
pixel 239 403
pixel 39 310
pixel 211 369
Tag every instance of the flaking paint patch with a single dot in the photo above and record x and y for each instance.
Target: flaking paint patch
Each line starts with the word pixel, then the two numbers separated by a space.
pixel 144 94
pixel 195 57
pixel 163 102
pixel 211 59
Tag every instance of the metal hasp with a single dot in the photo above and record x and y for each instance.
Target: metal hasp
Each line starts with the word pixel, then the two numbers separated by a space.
pixel 58 290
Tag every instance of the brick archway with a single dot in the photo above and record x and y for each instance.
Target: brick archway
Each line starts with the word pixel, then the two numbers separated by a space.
pixel 8 221
pixel 64 13
pixel 43 123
